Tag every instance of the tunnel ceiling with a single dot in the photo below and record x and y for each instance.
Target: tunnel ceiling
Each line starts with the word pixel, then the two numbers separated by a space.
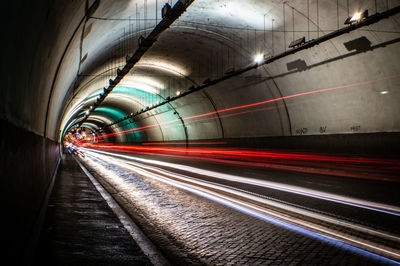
pixel 349 84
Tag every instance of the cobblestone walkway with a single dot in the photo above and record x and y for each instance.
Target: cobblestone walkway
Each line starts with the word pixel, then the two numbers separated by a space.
pixel 80 228
pixel 190 229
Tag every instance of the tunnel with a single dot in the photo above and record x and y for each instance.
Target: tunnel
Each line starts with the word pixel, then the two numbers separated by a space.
pixel 253 110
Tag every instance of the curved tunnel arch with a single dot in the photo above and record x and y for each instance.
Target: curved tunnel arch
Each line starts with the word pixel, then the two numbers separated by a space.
pixel 280 91
pixel 342 95
pixel 276 85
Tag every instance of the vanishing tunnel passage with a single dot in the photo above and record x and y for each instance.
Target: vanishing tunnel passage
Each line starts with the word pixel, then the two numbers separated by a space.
pixel 201 132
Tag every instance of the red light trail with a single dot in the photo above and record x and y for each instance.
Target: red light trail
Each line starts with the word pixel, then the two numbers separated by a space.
pixel 184 143
pixel 355 167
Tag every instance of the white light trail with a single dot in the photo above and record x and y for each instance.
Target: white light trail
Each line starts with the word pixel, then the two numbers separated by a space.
pixel 379 207
pixel 241 201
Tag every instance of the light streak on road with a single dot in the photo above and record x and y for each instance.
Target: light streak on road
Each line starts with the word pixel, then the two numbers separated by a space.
pixel 245 153
pixel 393 210
pixel 184 143
pixel 243 202
pixel 346 166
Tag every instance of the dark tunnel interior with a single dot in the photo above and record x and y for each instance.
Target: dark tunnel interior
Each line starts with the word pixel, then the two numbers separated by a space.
pixel 221 82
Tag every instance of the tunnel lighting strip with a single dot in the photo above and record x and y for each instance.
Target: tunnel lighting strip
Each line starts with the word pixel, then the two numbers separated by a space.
pixel 171 14
pixel 282 220
pixel 383 208
pixel 365 22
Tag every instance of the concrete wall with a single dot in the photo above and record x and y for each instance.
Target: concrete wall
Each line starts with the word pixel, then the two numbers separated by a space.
pixel 27 166
pixel 35 38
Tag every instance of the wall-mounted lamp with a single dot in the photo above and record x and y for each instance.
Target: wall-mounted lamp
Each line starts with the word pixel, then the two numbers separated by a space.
pixel 357 17
pixel 258 58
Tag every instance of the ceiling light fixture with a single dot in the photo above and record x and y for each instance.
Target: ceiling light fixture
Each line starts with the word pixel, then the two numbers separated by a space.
pixel 357 17
pixel 258 58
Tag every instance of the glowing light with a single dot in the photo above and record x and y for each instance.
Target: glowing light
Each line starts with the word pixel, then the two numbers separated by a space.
pixel 356 16
pixel 258 58
pixel 384 92
pixel 178 93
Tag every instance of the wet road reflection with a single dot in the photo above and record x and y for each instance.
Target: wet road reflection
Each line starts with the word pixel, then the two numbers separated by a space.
pixel 184 210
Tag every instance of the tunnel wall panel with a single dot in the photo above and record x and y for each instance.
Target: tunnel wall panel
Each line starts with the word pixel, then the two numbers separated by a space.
pixel 28 163
pixel 374 144
pixel 350 95
pixel 198 127
pixel 380 144
pixel 248 121
pixel 36 39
